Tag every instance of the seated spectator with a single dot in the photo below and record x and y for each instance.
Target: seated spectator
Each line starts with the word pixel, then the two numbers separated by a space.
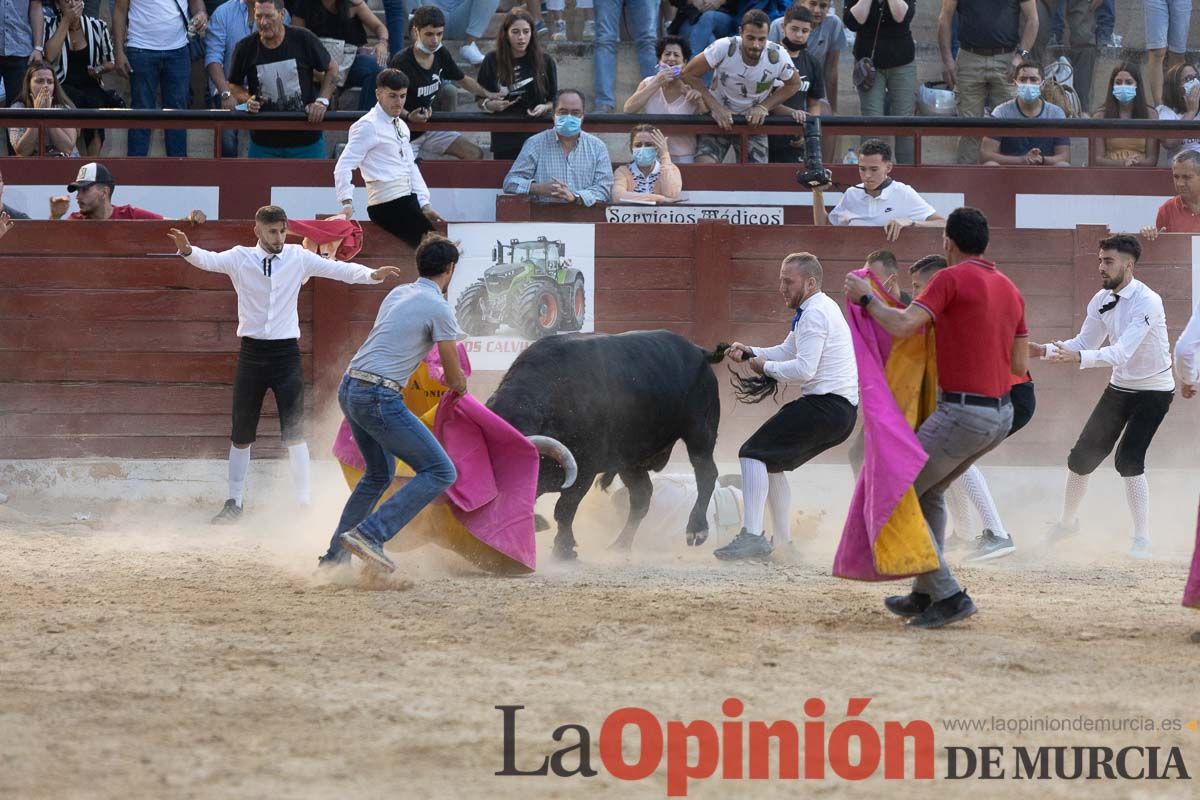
pixel 563 164
pixel 1126 99
pixel 702 22
pixel 95 187
pixel 797 27
pixel 342 26
pixel 1181 100
pixel 558 25
pixel 752 76
pixel 878 200
pixel 1028 104
pixel 80 50
pixel 1180 214
pixel 641 22
pixel 651 177
pixel 825 44
pixel 286 56
pixel 427 65
pixel 40 89
pixel 467 21
pixel 884 34
pixel 6 208
pixel 519 71
pixel 665 93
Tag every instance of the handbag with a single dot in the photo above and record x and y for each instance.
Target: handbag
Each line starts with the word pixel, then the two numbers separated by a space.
pixel 864 69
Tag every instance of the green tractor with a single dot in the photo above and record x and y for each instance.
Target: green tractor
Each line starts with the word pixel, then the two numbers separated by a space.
pixel 531 287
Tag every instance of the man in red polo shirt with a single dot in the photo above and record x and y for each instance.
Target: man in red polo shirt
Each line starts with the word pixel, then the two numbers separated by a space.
pixel 95 186
pixel 1180 214
pixel 981 344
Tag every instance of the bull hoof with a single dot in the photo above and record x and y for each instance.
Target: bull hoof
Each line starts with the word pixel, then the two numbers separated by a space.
pixel 697 538
pixel 565 553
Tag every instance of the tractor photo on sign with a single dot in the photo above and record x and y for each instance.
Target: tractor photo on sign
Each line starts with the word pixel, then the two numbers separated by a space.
pixel 519 282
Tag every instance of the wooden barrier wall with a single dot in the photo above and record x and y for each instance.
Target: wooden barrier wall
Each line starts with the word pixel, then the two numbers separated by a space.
pixel 106 351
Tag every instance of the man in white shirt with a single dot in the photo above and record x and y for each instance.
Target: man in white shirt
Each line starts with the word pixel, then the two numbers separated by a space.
pixel 1130 316
pixel 751 76
pixel 380 147
pixel 1185 356
pixel 267 279
pixel 878 200
pixel 818 358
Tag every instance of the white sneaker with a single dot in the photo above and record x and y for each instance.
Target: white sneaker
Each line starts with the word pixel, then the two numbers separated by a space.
pixel 589 30
pixel 560 31
pixel 1140 548
pixel 470 53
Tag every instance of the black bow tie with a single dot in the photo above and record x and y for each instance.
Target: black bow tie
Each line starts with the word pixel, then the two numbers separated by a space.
pixel 1111 304
pixel 267 265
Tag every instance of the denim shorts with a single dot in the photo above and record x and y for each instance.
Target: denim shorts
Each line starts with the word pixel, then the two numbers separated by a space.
pixel 1167 24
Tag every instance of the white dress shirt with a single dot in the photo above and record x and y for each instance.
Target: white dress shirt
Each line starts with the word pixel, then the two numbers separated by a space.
pixel 818 353
pixel 1185 350
pixel 267 303
pixel 381 148
pixel 896 201
pixel 1136 328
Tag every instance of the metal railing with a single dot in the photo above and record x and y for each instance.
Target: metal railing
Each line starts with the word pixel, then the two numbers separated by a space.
pixel 916 127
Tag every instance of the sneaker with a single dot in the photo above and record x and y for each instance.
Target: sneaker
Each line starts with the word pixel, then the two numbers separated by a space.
pixel 989 545
pixel 955 542
pixel 944 612
pixel 366 549
pixel 560 31
pixel 470 53
pixel 228 515
pixel 908 605
pixel 1140 548
pixel 1059 531
pixel 745 545
pixel 589 30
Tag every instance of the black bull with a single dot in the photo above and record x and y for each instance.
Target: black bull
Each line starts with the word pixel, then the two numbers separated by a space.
pixel 615 404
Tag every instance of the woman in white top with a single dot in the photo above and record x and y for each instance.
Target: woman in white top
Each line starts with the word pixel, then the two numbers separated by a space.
pixel 665 93
pixel 41 89
pixel 1181 100
pixel 651 177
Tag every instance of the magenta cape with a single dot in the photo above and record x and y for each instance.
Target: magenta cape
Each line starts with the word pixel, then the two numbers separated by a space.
pixel 1191 593
pixel 893 459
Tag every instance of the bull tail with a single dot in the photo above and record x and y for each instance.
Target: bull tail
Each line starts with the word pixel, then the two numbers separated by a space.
pixel 717 355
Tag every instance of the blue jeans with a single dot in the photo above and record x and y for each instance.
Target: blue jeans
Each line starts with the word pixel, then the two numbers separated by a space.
pixel 466 17
pixel 1106 19
pixel 168 71
pixel 396 19
pixel 229 137
pixel 711 25
pixel 385 430
pixel 363 73
pixel 314 150
pixel 641 20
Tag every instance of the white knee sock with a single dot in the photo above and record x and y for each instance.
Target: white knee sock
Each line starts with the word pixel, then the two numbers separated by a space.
pixel 239 465
pixel 1137 492
pixel 1076 489
pixel 779 500
pixel 754 493
pixel 976 486
pixel 959 506
pixel 298 456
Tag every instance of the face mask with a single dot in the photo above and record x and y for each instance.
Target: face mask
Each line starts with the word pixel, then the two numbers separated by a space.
pixel 421 46
pixel 1124 93
pixel 1029 92
pixel 645 156
pixel 674 70
pixel 1191 84
pixel 567 125
pixel 791 45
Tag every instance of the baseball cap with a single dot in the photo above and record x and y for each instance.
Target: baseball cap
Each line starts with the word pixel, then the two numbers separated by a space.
pixel 89 174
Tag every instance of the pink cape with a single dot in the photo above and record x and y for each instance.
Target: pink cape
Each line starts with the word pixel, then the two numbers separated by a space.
pixel 893 456
pixel 1191 593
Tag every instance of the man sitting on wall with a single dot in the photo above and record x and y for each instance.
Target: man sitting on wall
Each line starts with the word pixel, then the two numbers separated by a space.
pixel 1180 214
pixel 1028 104
pixel 563 164
pixel 95 187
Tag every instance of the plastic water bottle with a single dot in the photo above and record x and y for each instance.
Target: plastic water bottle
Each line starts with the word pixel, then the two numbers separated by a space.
pixel 851 157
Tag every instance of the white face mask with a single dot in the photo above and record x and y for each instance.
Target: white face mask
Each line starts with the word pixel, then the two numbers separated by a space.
pixel 1190 84
pixel 421 46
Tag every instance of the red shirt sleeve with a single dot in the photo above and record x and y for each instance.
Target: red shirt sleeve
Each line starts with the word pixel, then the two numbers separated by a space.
pixel 75 215
pixel 938 293
pixel 1160 221
pixel 141 213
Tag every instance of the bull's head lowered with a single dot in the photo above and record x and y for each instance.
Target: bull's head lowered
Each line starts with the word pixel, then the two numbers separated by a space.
pixel 556 450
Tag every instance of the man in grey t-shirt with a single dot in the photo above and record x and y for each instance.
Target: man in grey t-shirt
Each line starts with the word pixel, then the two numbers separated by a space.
pixel 1026 150
pixel 412 319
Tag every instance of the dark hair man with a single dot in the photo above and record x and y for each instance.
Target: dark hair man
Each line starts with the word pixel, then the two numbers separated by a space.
pixel 1130 316
pixel 878 200
pixel 981 342
pixel 1180 214
pixel 267 279
pixel 411 320
pixel 1028 104
pixel 818 357
pixel 380 148
pixel 564 164
pixel 94 186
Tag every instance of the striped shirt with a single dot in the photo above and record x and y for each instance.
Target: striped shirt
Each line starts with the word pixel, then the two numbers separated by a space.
pixel 99 44
pixel 586 170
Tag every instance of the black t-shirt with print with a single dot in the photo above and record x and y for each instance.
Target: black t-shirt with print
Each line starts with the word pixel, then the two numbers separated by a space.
pixel 423 84
pixel 524 90
pixel 281 78
pixel 790 149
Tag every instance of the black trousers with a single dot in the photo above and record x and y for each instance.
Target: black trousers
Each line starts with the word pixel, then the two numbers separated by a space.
pixel 1133 417
pixel 1024 402
pixel 268 364
pixel 12 69
pixel 800 431
pixel 402 218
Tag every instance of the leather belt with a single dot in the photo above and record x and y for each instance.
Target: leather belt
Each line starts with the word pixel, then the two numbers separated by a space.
pixel 963 399
pixel 986 52
pixel 375 380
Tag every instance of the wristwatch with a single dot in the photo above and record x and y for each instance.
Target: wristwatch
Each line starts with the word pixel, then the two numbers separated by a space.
pixel 1024 54
pixel 323 101
pixel 225 95
pixel 865 300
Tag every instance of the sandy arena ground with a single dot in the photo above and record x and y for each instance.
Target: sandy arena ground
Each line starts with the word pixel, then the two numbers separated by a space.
pixel 149 655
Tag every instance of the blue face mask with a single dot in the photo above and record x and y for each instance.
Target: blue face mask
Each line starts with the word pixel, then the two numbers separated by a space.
pixel 645 156
pixel 1124 93
pixel 421 46
pixel 568 125
pixel 1029 92
pixel 1192 84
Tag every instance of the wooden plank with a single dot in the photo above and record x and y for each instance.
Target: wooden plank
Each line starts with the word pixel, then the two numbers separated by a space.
pixel 710 257
pixel 620 305
pixel 16 365
pixel 123 398
pixel 58 272
pixel 212 446
pixel 644 273
pixel 44 335
pixel 128 304
pixel 684 329
pixel 115 424
pixel 648 241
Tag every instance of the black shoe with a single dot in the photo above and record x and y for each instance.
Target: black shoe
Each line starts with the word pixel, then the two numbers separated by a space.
pixel 907 605
pixel 745 545
pixel 943 612
pixel 989 545
pixel 228 515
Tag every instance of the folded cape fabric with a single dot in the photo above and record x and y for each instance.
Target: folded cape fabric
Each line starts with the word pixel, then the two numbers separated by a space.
pixel 335 229
pixel 1191 593
pixel 885 535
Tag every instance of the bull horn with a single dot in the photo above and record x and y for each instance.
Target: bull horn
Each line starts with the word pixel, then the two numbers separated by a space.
pixel 553 448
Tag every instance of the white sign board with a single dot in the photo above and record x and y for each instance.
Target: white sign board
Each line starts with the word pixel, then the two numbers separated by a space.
pixel 686 215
